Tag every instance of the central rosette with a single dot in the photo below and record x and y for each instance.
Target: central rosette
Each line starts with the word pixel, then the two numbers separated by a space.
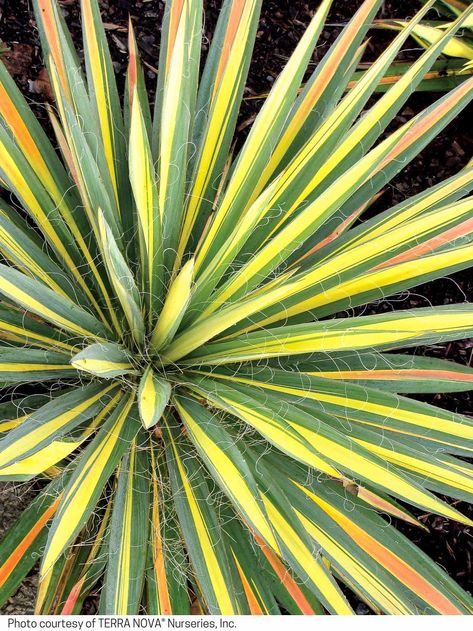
pixel 109 359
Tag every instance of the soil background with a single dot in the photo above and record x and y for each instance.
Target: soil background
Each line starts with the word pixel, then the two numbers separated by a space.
pixel 281 26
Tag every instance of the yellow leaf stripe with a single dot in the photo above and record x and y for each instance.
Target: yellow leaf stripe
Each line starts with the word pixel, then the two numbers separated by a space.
pixel 417 229
pixel 142 179
pixel 79 493
pixel 415 421
pixel 431 470
pixel 12 250
pixel 23 190
pixel 236 14
pixel 23 334
pixel 147 399
pixel 18 449
pixel 426 35
pixel 41 460
pixel 308 561
pixel 5 426
pixel 231 478
pixel 201 332
pixel 153 395
pixel 100 367
pixel 385 277
pixel 172 98
pixel 397 566
pixel 406 136
pixel 23 138
pixel 316 337
pixel 217 266
pixel 223 101
pixel 99 80
pixel 21 297
pixel 10 367
pixel 402 235
pixel 124 554
pixel 176 9
pixel 219 585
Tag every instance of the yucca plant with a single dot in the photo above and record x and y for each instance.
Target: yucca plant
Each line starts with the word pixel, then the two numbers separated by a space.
pixel 208 436
pixel 425 33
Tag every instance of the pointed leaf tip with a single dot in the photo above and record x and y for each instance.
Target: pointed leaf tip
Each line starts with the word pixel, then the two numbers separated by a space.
pixel 154 393
pixel 104 360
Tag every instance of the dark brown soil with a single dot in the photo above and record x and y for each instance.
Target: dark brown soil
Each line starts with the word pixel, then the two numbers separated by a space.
pixel 282 24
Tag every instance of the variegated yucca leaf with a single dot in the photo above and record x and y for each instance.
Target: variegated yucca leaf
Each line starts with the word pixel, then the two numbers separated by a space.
pixel 459 47
pixel 203 408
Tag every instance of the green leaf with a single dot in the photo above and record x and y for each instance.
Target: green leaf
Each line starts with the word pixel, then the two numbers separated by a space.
pixel 22 365
pixel 25 540
pixel 94 468
pixel 122 281
pixel 128 534
pixel 106 360
pixel 430 325
pixel 199 524
pixel 174 113
pixel 105 103
pixel 55 419
pixel 174 308
pixel 166 589
pixel 148 219
pixel 392 372
pixel 36 297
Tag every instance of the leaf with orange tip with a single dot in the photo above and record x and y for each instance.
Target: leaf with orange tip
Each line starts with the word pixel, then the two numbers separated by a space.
pixel 390 572
pixel 174 114
pixel 135 80
pixel 398 565
pixel 59 592
pixel 166 590
pixel 105 104
pixel 392 372
pixel 218 100
pixel 385 504
pixel 91 566
pixel 294 599
pixel 20 548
